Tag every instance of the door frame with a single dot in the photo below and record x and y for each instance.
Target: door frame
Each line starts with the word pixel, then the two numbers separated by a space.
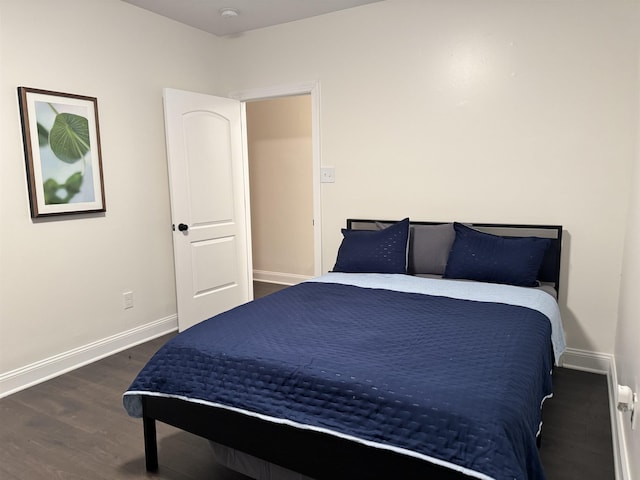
pixel 288 90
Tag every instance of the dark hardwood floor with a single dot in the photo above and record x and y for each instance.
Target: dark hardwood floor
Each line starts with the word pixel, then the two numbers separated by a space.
pixel 260 289
pixel 74 427
pixel 576 439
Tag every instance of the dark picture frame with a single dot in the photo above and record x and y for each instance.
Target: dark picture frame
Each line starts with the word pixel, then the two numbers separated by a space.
pixel 63 158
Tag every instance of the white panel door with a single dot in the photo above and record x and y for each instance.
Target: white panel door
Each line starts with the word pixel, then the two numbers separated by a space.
pixel 208 185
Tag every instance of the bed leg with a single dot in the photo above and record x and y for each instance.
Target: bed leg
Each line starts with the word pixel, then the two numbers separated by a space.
pixel 150 444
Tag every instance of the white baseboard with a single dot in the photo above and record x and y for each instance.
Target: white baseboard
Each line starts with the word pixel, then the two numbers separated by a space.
pixel 587 361
pixel 605 364
pixel 623 469
pixel 38 372
pixel 278 277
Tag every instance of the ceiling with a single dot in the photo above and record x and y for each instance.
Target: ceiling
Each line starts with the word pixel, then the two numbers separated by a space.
pixel 205 14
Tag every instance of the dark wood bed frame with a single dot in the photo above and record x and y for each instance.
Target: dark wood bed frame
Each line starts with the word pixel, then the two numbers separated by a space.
pixel 315 454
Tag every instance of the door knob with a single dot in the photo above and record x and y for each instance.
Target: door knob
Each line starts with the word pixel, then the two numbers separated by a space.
pixel 182 227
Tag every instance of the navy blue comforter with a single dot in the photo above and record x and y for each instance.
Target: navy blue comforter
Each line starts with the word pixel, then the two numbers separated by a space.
pixel 456 382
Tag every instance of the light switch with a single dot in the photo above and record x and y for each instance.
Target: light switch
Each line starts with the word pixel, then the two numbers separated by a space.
pixel 327 175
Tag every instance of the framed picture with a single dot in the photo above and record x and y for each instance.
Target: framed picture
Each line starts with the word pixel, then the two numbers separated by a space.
pixel 62 152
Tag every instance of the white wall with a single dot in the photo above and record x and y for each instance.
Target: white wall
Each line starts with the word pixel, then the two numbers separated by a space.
pixel 627 348
pixel 474 111
pixel 281 178
pixel 628 337
pixel 61 280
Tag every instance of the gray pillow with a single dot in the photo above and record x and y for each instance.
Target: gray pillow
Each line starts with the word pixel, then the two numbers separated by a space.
pixel 429 247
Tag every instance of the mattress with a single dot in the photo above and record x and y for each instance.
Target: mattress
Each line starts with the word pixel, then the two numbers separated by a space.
pixel 451 380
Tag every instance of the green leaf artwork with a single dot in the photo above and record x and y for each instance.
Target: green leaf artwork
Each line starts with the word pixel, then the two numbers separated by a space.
pixel 69 137
pixel 43 135
pixel 69 141
pixel 53 189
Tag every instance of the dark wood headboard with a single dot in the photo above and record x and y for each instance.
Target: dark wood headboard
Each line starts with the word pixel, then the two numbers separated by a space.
pixel 550 269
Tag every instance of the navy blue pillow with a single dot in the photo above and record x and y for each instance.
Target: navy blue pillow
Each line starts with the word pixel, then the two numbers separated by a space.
pixel 374 251
pixel 491 258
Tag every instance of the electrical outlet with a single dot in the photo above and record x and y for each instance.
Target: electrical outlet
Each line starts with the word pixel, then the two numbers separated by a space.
pixel 127 298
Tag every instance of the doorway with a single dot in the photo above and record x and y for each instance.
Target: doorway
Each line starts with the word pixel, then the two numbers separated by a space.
pixel 283 165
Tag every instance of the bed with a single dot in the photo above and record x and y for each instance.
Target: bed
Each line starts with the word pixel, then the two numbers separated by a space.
pixel 426 353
